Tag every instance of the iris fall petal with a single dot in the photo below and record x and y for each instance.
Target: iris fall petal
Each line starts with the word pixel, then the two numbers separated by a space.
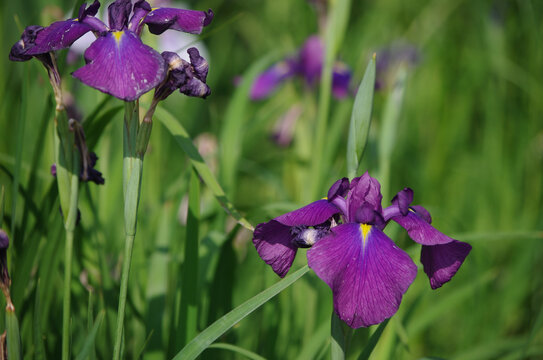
pixel 367 272
pixel 273 242
pixel 189 21
pixel 121 65
pixel 441 262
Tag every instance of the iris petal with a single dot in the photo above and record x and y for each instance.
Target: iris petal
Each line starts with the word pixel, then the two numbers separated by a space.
pixel 367 272
pixel 273 242
pixel 310 215
pixel 189 21
pixel 364 189
pixel 121 65
pixel 421 231
pixel 441 262
pixel 58 35
pixel 341 77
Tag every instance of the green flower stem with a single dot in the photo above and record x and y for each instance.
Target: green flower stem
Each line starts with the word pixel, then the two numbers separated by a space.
pixel 67 165
pixel 136 139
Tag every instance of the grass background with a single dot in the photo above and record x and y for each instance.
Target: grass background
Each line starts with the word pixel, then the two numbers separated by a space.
pixel 469 143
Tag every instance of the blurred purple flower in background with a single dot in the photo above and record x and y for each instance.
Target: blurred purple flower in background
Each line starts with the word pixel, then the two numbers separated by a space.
pixel 117 62
pixel 367 272
pixel 307 63
pixel 390 57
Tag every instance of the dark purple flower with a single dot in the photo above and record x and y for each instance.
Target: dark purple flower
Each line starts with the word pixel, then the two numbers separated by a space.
pixel 307 64
pixel 189 78
pixel 117 62
pixel 367 272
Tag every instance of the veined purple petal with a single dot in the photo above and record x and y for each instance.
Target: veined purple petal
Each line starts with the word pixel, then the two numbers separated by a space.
pixel 91 10
pixel 441 262
pixel 311 59
pixel 341 78
pixel 367 272
pixel 20 48
pixel 118 13
pixel 273 242
pixel 141 9
pixel 364 189
pixel 190 21
pixel 421 231
pixel 58 35
pixel 310 215
pixel 339 188
pixel 121 65
pixel 270 79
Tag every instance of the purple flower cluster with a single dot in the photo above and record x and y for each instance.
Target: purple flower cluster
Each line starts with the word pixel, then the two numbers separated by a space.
pixel 307 63
pixel 349 251
pixel 118 62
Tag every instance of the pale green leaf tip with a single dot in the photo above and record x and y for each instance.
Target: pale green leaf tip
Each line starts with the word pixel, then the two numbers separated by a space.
pixel 374 56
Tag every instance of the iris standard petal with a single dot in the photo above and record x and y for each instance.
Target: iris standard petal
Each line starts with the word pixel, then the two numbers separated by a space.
pixel 364 189
pixel 273 242
pixel 58 35
pixel 421 231
pixel 270 79
pixel 367 272
pixel 118 13
pixel 310 215
pixel 189 21
pixel 441 262
pixel 121 65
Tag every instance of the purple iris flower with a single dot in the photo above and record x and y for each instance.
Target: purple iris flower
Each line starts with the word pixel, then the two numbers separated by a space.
pixel 367 272
pixel 117 62
pixel 307 64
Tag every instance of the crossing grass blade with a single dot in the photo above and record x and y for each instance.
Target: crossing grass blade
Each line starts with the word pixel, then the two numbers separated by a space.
pixel 238 350
pixel 373 341
pixel 360 120
pixel 88 346
pixel 13 337
pixel 222 325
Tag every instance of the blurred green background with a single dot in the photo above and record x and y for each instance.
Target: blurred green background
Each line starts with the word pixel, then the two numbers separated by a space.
pixel 469 142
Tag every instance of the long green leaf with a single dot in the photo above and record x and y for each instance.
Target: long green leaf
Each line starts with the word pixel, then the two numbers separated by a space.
pixel 338 345
pixel 360 120
pixel 373 341
pixel 13 337
pixel 244 352
pixel 183 139
pixel 219 327
pixel 88 346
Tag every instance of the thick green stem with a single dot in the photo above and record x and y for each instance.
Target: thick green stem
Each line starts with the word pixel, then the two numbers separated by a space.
pixel 134 150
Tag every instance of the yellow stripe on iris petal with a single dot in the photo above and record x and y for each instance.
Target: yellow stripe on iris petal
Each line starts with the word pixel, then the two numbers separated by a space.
pixel 365 229
pixel 117 35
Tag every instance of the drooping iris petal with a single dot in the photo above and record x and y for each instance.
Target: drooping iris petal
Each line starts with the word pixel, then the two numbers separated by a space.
pixel 441 262
pixel 190 21
pixel 403 199
pixel 367 272
pixel 341 78
pixel 270 79
pixel 58 35
pixel 421 231
pixel 310 215
pixel 273 242
pixel 21 47
pixel 120 64
pixel 364 189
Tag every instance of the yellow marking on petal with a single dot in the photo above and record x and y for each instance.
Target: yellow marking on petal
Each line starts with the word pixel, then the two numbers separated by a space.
pixel 117 35
pixel 365 228
pixel 325 198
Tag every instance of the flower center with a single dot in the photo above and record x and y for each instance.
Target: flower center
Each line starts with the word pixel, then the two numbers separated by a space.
pixel 365 228
pixel 117 35
pixel 305 237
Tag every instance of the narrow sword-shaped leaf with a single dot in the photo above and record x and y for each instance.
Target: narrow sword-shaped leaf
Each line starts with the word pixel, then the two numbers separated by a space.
pixel 13 337
pixel 219 327
pixel 373 341
pixel 88 346
pixel 244 352
pixel 360 120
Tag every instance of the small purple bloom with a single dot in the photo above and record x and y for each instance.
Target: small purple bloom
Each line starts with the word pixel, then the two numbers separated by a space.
pixel 307 64
pixel 367 272
pixel 117 62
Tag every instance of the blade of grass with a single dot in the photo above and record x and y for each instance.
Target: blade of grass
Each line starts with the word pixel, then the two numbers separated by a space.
pixel 13 337
pixel 219 327
pixel 37 330
pixel 360 120
pixel 236 349
pixel 182 137
pixel 189 285
pixel 335 30
pixel 88 346
pixel 339 339
pixel 373 341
